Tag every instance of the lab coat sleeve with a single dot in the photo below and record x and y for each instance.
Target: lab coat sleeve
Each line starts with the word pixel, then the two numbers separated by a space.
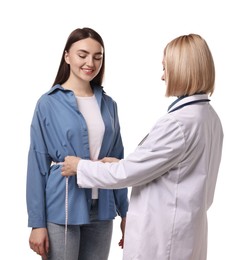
pixel 162 149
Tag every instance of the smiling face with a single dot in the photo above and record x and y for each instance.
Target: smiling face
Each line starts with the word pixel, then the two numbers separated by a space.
pixel 85 59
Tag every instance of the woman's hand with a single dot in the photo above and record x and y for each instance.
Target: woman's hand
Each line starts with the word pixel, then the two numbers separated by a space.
pixel 69 166
pixel 39 242
pixel 123 223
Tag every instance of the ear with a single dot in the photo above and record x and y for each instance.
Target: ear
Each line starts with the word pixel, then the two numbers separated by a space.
pixel 66 57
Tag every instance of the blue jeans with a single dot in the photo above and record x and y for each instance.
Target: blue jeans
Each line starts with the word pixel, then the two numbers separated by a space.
pixel 86 242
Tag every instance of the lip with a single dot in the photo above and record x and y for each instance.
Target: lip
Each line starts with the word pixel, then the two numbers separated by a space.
pixel 88 71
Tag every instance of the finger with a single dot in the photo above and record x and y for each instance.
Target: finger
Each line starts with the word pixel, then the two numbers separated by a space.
pixel 35 249
pixel 105 159
pixel 47 246
pixel 44 256
pixel 65 174
pixel 42 252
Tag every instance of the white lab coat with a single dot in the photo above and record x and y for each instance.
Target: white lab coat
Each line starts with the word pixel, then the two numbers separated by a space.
pixel 173 176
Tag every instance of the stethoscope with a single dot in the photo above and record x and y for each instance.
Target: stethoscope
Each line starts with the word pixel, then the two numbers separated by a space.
pixel 185 104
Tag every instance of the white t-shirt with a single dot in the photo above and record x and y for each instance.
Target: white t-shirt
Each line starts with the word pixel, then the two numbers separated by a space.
pixel 90 110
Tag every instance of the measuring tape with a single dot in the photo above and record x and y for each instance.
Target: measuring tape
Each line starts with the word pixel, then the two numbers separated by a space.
pixel 66 213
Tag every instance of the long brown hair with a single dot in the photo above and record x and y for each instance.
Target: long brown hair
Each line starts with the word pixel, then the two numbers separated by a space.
pixel 64 68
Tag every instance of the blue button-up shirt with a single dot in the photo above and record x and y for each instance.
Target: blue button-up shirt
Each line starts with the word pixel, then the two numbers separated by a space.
pixel 58 129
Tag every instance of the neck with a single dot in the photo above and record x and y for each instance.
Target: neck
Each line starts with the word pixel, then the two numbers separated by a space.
pixel 81 89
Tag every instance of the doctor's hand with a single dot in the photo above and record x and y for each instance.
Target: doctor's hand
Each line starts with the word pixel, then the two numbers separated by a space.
pixel 109 159
pixel 69 166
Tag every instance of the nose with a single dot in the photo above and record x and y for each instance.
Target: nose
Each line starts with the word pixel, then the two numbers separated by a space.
pixel 90 61
pixel 163 77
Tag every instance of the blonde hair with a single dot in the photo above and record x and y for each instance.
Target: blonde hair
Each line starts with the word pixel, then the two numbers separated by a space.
pixel 189 66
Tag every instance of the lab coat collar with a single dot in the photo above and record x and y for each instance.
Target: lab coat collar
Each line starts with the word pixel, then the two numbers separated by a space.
pixel 187 100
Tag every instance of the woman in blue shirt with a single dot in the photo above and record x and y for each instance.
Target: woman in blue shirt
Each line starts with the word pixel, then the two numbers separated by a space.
pixel 75 117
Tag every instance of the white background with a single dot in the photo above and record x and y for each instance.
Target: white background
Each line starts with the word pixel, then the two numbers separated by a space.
pixel 33 35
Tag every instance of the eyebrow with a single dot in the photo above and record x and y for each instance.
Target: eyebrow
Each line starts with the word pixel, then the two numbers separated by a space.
pixel 89 52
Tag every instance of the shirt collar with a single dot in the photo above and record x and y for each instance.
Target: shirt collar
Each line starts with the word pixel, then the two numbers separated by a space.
pixel 54 88
pixel 97 89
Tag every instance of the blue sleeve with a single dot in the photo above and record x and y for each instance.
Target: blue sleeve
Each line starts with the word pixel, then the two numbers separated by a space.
pixel 37 173
pixel 120 195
